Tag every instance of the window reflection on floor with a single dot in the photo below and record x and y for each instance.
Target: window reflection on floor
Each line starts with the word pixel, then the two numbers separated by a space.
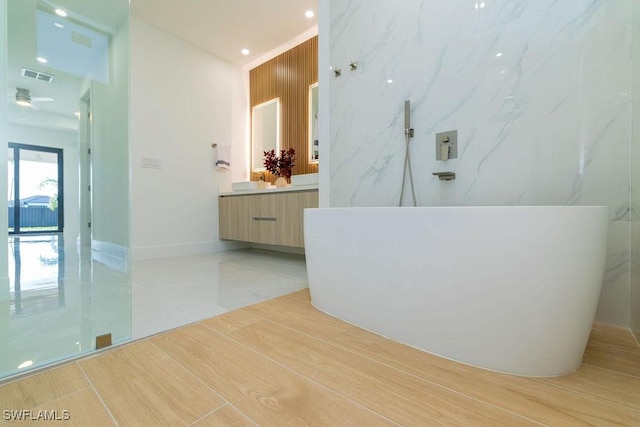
pixel 57 300
pixel 36 274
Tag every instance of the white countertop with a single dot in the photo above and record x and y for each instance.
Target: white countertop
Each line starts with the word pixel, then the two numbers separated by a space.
pixel 272 190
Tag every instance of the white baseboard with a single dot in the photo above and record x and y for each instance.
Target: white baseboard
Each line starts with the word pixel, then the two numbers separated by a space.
pixel 636 335
pixel 5 285
pixel 287 249
pixel 184 249
pixel 110 254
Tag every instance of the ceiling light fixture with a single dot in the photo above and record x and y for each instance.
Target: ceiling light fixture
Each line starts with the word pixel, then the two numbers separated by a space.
pixel 309 14
pixel 42 60
pixel 245 51
pixel 61 12
pixel 59 25
pixel 23 97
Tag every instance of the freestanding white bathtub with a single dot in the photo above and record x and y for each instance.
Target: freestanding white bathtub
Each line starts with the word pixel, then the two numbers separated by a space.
pixel 511 289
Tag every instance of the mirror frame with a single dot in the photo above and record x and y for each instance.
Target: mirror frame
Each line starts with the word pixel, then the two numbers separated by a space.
pixel 257 156
pixel 313 123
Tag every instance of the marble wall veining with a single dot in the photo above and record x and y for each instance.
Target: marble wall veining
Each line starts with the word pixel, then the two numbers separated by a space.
pixel 539 91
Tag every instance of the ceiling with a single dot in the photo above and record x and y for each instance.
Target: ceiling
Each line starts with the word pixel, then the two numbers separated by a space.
pixel 225 27
pixel 220 27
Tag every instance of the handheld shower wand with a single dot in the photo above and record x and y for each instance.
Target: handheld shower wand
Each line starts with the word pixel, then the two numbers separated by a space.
pixel 408 134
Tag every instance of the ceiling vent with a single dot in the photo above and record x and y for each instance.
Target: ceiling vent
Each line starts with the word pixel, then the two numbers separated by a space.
pixel 38 75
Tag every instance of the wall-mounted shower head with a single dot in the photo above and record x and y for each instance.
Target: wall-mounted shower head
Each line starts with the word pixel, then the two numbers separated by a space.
pixel 407 119
pixel 407 114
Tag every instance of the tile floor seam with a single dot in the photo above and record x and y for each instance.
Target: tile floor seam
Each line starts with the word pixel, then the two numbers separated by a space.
pixel 222 407
pixel 626 374
pixel 113 418
pixel 244 415
pixel 48 402
pixel 223 333
pixel 302 376
pixel 622 348
pixel 411 374
pixel 636 339
pixel 207 414
pixel 581 393
pixel 225 401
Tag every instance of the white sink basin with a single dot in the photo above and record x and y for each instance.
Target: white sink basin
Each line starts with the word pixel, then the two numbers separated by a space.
pixel 244 185
pixel 305 179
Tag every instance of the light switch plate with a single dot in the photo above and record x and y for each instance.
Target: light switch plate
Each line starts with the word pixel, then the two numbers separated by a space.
pixel 148 162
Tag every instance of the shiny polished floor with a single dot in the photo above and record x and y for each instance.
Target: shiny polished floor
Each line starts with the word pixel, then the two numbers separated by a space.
pixel 172 292
pixel 282 362
pixel 56 302
pixel 59 297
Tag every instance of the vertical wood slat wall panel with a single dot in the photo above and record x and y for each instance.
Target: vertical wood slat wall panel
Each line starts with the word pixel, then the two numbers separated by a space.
pixel 288 77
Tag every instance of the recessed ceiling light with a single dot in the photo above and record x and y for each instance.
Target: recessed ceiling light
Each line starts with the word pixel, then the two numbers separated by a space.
pixel 309 14
pixel 61 12
pixel 42 60
pixel 245 51
pixel 390 81
pixel 59 25
pixel 499 54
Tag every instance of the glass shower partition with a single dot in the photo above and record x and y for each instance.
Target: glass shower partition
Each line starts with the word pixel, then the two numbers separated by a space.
pixel 66 288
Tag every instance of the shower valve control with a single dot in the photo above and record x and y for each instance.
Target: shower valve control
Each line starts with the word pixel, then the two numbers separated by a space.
pixel 447 145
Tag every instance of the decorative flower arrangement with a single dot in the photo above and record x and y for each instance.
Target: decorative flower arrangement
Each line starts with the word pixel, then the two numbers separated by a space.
pixel 282 165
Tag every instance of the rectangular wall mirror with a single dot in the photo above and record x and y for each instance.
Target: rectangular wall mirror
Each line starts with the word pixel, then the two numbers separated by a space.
pixel 265 131
pixel 313 123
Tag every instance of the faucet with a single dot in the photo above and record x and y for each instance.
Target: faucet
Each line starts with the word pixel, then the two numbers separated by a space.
pixel 445 176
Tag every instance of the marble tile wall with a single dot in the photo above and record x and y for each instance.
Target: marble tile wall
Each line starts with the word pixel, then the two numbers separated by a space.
pixel 634 306
pixel 539 92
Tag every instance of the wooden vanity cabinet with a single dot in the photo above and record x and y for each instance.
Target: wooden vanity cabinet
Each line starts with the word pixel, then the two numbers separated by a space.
pixel 272 219
pixel 235 217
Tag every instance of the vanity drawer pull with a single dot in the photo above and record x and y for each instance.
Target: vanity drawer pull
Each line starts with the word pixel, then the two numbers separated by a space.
pixel 264 218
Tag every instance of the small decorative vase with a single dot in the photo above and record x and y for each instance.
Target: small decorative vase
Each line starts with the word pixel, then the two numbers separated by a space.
pixel 281 182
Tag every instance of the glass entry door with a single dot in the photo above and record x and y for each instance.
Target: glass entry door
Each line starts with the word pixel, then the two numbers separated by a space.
pixel 35 190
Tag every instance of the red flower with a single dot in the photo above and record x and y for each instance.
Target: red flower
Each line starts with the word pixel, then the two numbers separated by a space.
pixel 282 165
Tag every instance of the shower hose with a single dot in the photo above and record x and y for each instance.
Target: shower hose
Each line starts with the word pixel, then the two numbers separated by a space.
pixel 408 133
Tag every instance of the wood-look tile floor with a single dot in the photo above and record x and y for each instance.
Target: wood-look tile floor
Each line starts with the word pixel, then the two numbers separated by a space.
pixel 282 362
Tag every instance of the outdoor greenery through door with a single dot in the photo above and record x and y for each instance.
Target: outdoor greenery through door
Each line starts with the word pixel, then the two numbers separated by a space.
pixel 35 190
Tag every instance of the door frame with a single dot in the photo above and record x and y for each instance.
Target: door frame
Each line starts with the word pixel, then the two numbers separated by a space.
pixel 86 167
pixel 16 186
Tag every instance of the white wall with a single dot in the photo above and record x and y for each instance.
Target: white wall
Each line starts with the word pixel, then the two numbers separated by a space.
pixel 110 153
pixel 182 101
pixel 538 91
pixel 68 142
